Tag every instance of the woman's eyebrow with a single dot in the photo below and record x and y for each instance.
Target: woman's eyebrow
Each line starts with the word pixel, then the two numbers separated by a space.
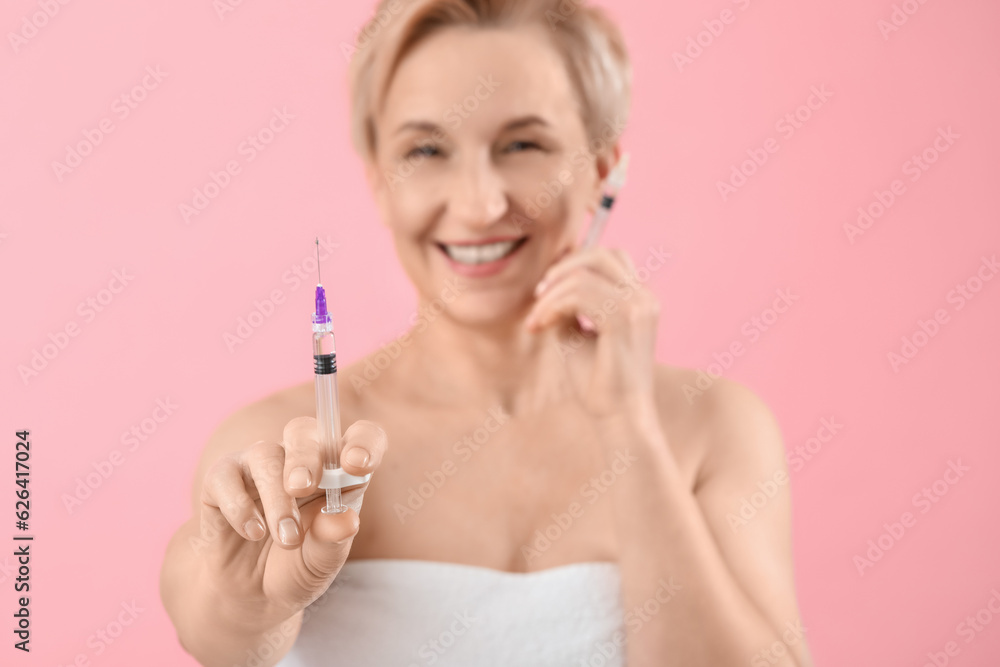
pixel 423 125
pixel 524 121
pixel 515 124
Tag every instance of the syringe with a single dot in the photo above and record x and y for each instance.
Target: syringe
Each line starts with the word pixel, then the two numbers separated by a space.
pixel 334 478
pixel 612 184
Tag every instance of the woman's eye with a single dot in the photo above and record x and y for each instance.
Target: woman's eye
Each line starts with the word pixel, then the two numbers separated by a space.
pixel 426 151
pixel 521 145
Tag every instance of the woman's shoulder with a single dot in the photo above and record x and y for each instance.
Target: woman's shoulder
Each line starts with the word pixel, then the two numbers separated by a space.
pixel 701 397
pixel 722 422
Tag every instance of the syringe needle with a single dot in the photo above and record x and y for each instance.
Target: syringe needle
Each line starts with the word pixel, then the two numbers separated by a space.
pixel 319 273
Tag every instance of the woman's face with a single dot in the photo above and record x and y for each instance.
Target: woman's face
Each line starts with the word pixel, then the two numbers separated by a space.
pixel 483 171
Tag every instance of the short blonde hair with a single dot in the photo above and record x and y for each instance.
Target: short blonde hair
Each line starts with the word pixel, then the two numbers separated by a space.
pixel 590 44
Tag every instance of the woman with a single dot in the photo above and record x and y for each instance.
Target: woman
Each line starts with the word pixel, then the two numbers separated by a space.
pixel 551 496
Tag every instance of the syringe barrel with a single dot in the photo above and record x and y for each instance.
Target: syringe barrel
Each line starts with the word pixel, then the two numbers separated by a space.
pixel 327 403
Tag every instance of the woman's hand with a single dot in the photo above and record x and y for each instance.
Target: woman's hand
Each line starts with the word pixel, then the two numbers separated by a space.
pixel 612 366
pixel 268 548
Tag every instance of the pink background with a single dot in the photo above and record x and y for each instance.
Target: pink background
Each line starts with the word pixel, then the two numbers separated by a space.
pixel 162 336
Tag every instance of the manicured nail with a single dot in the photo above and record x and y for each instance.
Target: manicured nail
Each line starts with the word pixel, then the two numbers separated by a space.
pixel 288 531
pixel 299 478
pixel 356 457
pixel 254 529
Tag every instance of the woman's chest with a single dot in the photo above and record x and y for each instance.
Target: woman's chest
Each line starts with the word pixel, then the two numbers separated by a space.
pixel 487 489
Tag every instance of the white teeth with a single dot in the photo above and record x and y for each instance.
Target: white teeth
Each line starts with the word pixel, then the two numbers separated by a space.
pixel 480 254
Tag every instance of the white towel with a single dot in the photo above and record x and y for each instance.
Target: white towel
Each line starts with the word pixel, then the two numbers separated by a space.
pixel 411 613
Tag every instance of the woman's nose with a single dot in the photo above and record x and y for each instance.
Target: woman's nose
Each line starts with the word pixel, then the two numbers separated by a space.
pixel 479 195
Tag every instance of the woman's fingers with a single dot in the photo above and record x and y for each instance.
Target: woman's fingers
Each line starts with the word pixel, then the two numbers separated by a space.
pixel 266 463
pixel 303 458
pixel 267 470
pixel 225 489
pixel 580 292
pixel 245 497
pixel 364 446
pixel 328 540
pixel 613 264
pixel 229 516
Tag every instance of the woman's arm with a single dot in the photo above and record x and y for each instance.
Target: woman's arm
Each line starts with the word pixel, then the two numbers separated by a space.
pixel 207 628
pixel 698 587
pixel 695 590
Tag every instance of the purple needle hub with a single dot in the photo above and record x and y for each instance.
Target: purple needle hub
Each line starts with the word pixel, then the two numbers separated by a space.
pixel 321 316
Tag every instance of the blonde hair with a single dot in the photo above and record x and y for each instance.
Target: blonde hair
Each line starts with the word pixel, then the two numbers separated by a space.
pixel 590 44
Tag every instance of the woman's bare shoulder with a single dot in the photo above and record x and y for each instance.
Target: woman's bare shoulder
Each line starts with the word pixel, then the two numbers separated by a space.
pixel 742 455
pixel 696 394
pixel 709 418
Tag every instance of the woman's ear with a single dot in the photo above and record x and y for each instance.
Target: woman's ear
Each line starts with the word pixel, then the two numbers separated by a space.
pixel 604 163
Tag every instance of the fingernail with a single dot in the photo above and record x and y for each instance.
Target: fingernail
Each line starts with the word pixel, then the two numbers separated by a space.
pixel 288 531
pixel 540 287
pixel 254 529
pixel 357 457
pixel 299 478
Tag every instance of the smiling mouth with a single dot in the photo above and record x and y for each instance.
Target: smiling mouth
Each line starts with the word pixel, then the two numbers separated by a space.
pixel 483 253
